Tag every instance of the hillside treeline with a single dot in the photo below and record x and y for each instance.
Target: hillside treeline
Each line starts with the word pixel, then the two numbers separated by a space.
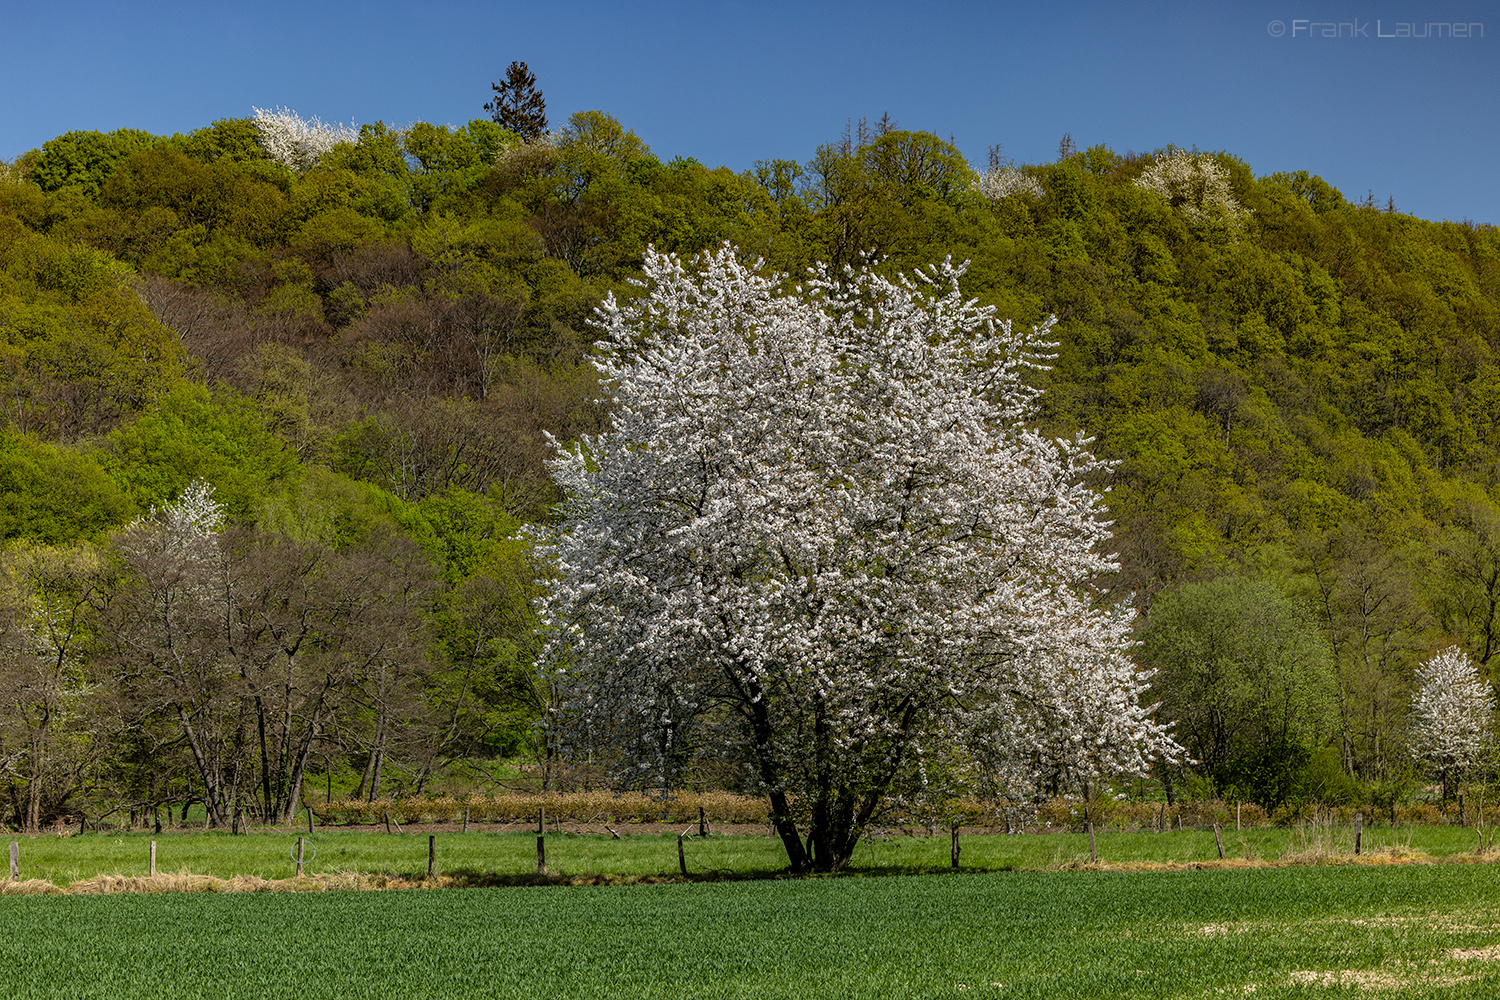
pixel 363 355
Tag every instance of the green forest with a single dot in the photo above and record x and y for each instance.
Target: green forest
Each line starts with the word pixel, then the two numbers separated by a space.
pixel 365 352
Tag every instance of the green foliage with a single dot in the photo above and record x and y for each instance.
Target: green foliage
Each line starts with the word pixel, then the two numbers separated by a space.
pixel 83 160
pixel 54 496
pixel 222 196
pixel 197 434
pixel 325 508
pixel 485 621
pixel 236 139
pixel 79 350
pixel 599 134
pixel 1248 675
pixel 1312 392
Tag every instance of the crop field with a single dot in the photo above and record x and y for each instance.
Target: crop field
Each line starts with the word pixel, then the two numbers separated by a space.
pixel 1404 931
pixel 64 860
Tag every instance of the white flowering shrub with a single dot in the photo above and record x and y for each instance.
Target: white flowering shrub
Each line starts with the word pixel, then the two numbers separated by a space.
pixel 1195 184
pixel 1002 182
pixel 195 515
pixel 296 142
pixel 184 534
pixel 819 539
pixel 1452 715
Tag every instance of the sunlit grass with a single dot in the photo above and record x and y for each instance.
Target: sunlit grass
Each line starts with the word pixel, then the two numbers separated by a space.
pixel 1402 931
pixel 68 859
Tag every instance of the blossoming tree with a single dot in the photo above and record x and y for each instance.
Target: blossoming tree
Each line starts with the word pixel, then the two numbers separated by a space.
pixel 820 539
pixel 1452 715
pixel 296 142
pixel 1196 185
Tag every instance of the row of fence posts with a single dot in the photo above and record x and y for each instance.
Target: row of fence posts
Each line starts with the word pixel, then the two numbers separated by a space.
pixel 703 830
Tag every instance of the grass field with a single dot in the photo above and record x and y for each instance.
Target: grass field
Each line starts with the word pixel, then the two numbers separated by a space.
pixel 1403 931
pixel 64 860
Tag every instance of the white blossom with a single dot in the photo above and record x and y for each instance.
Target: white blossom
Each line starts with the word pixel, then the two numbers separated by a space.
pixel 1002 182
pixel 1195 184
pixel 1452 713
pixel 194 516
pixel 819 537
pixel 183 533
pixel 296 142
pixel 1074 720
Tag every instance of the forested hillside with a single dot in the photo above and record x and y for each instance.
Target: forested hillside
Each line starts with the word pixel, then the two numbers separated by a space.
pixel 362 348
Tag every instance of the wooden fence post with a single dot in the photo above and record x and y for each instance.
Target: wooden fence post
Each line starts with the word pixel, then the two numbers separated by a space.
pixel 301 844
pixel 956 848
pixel 309 821
pixel 1237 815
pixel 153 858
pixel 431 852
pixel 1219 839
pixel 1359 829
pixel 681 857
pixel 541 855
pixel 15 861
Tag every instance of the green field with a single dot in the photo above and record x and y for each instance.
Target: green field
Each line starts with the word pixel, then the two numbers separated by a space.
pixel 267 854
pixel 1412 931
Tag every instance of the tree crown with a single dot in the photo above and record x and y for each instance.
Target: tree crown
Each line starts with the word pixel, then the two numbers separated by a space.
pixel 518 105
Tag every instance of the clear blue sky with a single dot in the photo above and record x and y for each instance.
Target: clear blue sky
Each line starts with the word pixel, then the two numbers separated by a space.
pixel 732 82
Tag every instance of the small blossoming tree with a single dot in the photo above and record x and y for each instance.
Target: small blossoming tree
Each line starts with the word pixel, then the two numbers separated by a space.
pixel 1196 185
pixel 1000 182
pixel 820 539
pixel 296 142
pixel 1452 716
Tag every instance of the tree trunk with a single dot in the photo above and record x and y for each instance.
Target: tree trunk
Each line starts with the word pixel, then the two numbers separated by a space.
pixel 34 786
pixel 299 765
pixel 265 761
pixel 379 765
pixel 212 793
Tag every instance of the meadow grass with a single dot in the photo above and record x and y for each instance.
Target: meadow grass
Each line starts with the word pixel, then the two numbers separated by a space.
pixel 1401 931
pixel 67 859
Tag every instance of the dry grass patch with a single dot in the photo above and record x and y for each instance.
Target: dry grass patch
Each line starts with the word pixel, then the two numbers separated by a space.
pixel 30 887
pixel 1375 979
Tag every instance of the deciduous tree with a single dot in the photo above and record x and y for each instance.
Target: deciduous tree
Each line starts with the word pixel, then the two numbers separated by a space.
pixel 819 539
pixel 296 142
pixel 1248 674
pixel 1452 716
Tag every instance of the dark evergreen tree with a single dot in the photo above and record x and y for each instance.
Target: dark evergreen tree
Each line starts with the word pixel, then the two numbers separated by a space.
pixel 518 105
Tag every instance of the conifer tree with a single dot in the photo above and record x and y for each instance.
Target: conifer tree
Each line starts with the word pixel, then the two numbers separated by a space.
pixel 518 105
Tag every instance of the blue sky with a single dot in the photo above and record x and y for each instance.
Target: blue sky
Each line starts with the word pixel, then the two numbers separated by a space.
pixel 732 82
